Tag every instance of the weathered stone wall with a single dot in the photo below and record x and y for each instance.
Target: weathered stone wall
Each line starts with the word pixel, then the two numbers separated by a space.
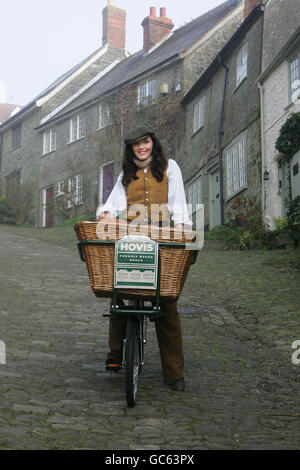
pixel 282 18
pixel 207 48
pixel 241 114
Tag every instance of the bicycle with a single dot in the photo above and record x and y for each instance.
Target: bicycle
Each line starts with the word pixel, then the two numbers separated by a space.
pixel 134 343
pixel 137 313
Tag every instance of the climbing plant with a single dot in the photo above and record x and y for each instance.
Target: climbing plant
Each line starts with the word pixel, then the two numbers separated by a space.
pixel 288 142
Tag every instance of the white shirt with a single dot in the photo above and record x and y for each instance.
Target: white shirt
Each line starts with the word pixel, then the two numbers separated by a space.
pixel 117 201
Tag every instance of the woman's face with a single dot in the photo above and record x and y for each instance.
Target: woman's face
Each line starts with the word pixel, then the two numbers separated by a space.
pixel 142 149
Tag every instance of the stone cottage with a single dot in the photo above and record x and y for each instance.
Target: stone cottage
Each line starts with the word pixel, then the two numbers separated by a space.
pixel 23 149
pixel 80 171
pixel 223 145
pixel 279 86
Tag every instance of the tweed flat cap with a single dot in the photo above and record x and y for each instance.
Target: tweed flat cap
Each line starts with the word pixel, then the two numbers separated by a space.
pixel 138 132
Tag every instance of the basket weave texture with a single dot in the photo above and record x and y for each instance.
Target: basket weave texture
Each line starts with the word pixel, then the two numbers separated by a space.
pixel 175 262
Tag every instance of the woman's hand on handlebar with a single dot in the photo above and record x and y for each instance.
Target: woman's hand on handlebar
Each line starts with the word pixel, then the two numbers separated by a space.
pixel 105 217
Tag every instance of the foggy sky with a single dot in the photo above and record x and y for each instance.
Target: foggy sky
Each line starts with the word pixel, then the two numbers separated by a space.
pixel 42 39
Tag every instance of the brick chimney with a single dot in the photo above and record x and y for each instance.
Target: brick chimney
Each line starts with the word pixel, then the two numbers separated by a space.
pixel 249 5
pixel 114 26
pixel 155 28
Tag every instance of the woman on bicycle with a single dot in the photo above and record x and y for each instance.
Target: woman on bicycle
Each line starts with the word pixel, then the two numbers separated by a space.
pixel 148 180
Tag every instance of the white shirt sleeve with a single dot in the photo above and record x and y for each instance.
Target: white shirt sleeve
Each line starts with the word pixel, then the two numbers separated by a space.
pixel 116 201
pixel 176 195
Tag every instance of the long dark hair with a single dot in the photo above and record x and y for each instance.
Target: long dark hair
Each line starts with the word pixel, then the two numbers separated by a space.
pixel 158 165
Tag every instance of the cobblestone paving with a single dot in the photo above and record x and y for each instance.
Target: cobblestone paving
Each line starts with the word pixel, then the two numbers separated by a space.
pixel 240 315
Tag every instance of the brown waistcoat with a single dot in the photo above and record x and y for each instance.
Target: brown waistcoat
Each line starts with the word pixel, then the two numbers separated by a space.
pixel 146 197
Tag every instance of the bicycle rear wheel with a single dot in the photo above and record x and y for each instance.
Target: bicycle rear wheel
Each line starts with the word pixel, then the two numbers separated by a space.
pixel 132 361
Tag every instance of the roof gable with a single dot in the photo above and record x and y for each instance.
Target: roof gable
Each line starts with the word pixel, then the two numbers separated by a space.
pixel 133 67
pixel 57 84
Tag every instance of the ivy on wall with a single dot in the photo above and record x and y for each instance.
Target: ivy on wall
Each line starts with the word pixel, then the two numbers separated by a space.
pixel 288 142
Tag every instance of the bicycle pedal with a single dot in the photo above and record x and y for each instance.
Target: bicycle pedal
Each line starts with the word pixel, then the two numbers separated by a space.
pixel 113 367
pixel 153 319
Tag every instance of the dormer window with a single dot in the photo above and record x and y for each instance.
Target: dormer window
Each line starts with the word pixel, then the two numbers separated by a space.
pixel 242 64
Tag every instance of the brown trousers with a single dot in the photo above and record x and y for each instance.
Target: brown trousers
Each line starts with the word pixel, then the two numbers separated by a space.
pixel 169 337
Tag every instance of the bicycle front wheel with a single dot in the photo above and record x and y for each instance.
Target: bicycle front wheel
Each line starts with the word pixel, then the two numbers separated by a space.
pixel 132 361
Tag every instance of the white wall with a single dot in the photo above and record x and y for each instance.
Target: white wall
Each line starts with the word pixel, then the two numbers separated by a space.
pixel 276 111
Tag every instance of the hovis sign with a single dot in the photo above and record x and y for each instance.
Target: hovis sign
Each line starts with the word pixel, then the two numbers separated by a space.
pixel 136 261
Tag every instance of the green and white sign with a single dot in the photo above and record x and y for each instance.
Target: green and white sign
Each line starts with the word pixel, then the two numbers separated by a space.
pixel 136 261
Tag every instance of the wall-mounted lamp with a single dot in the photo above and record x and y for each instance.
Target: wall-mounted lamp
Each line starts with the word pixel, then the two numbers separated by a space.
pixel 266 175
pixel 164 89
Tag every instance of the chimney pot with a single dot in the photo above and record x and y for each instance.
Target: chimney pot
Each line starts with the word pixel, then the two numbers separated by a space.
pixel 155 28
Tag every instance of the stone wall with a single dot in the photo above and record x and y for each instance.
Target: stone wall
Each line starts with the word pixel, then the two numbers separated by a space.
pixel 282 18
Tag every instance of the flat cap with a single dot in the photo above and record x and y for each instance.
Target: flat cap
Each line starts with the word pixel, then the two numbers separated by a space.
pixel 138 132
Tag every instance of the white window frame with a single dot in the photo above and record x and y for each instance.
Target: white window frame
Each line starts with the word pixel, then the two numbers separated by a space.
pixel 198 114
pixel 236 166
pixel 77 127
pixel 194 191
pixel 242 64
pixel 294 78
pixel 49 141
pixel 60 188
pixel 105 117
pixel 75 186
pixel 147 92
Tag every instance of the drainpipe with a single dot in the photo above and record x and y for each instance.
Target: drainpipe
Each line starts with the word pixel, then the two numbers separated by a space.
pixel 220 139
pixel 262 117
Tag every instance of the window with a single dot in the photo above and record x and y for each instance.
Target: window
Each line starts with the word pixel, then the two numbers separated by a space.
pixel 16 137
pixel 60 189
pixel 242 59
pixel 75 190
pixel 294 79
pixel 236 166
pixel 195 192
pixel 105 118
pixel 198 121
pixel 49 141
pixel 77 127
pixel 147 93
pixel 12 184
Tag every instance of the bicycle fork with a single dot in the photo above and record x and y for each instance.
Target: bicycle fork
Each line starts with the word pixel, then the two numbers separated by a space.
pixel 142 337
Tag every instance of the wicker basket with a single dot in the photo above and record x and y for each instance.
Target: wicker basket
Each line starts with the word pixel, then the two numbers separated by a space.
pixel 175 262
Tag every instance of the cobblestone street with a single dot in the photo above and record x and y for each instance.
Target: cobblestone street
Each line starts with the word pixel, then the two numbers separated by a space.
pixel 240 315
